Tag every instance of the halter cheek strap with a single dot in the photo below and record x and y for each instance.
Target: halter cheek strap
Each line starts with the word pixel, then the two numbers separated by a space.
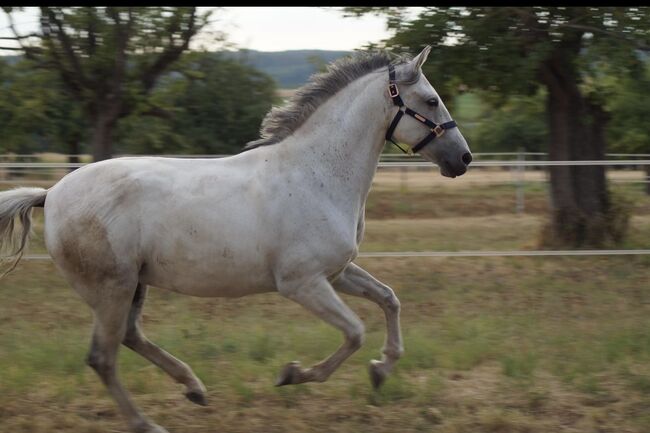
pixel 436 130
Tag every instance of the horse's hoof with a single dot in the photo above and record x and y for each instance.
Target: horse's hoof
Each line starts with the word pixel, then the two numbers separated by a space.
pixel 377 375
pixel 289 375
pixel 196 397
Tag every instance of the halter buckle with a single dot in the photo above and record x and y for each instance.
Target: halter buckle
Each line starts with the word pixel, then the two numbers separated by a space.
pixel 439 130
pixel 393 91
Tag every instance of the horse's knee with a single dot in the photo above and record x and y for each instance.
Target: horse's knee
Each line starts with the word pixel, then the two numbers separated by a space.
pixel 356 336
pixel 392 304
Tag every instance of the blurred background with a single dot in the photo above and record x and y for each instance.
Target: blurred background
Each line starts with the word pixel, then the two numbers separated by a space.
pixel 524 283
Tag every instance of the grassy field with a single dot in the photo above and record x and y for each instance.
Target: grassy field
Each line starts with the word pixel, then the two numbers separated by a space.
pixel 497 345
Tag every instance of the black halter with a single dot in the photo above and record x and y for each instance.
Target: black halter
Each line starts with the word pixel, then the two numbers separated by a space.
pixel 436 130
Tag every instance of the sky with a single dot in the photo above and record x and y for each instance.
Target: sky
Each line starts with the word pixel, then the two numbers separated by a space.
pixel 264 28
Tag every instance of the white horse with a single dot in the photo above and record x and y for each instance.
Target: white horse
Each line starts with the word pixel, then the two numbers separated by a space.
pixel 285 216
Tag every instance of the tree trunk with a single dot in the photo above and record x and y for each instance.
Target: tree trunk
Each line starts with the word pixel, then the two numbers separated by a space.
pixel 580 204
pixel 73 152
pixel 102 136
pixel 647 179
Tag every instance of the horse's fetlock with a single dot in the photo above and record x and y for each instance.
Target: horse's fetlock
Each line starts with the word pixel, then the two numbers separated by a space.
pixel 186 377
pixel 394 353
pixel 392 303
pixel 320 377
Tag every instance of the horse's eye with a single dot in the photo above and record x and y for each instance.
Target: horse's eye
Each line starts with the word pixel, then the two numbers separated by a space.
pixel 433 102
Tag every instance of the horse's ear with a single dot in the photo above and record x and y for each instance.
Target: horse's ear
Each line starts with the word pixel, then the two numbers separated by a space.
pixel 421 58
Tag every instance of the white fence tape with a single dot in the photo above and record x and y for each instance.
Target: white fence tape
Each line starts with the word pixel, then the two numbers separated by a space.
pixel 513 163
pixel 476 253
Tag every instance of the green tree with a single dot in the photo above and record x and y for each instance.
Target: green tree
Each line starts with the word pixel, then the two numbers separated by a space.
pixel 35 112
pixel 517 123
pixel 629 105
pixel 216 106
pixel 517 50
pixel 110 58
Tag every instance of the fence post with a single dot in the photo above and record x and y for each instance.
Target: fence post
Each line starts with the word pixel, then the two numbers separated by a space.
pixel 520 172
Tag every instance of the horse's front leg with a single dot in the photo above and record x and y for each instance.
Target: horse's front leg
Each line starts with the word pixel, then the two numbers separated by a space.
pixel 356 281
pixel 320 298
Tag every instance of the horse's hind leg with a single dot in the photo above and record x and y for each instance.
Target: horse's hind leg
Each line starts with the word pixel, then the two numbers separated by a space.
pixel 111 314
pixel 357 282
pixel 320 298
pixel 177 369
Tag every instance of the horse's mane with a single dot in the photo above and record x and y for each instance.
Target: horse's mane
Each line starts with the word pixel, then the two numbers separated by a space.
pixel 281 122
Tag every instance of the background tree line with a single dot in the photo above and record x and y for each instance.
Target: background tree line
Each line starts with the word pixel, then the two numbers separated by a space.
pixel 122 79
pixel 205 104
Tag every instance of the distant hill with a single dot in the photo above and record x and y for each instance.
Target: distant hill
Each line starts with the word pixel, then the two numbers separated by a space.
pixel 290 69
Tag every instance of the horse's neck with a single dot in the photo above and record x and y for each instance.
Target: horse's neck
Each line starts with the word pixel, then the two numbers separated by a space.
pixel 343 138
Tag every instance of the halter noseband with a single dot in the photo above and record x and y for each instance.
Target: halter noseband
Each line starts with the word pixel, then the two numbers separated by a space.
pixel 436 130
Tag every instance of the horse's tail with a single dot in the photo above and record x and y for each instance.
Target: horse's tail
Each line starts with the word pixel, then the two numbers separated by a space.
pixel 17 203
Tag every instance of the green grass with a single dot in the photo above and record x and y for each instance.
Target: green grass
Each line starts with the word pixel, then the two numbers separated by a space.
pixel 519 365
pixel 541 333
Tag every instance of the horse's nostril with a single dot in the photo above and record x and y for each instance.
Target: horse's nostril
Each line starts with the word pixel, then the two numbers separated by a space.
pixel 467 158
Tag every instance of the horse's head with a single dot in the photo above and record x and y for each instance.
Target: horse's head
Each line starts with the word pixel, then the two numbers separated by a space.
pixel 427 126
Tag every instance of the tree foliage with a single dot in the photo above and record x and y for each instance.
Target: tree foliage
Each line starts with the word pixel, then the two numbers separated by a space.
pixel 209 104
pixel 36 113
pixel 109 59
pixel 216 106
pixel 517 124
pixel 629 105
pixel 503 48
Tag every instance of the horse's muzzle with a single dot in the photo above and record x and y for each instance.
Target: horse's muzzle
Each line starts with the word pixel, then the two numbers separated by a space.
pixel 456 168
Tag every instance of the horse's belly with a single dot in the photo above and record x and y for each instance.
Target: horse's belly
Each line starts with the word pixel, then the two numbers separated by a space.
pixel 211 279
pixel 208 265
pixel 208 251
